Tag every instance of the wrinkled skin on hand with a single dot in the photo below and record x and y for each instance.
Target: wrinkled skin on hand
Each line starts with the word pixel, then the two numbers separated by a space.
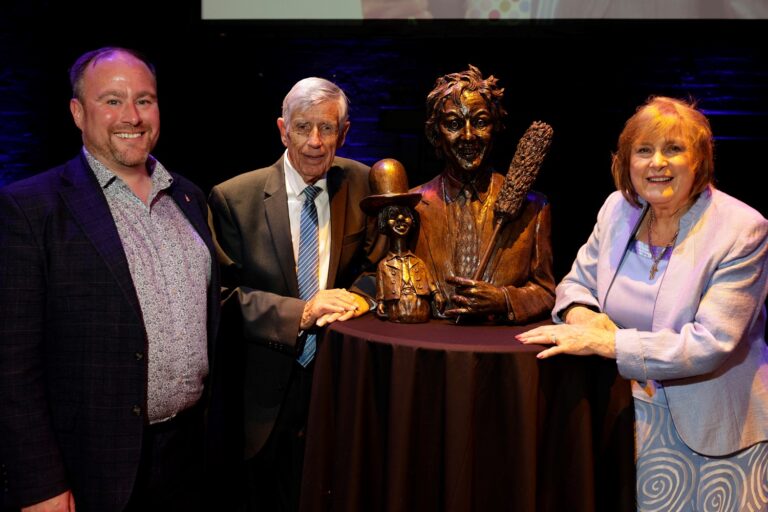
pixel 475 297
pixel 584 316
pixel 329 306
pixel 584 333
pixel 576 339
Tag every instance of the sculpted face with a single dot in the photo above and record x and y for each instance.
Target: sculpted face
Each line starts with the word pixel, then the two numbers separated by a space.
pixel 466 132
pixel 118 113
pixel 399 220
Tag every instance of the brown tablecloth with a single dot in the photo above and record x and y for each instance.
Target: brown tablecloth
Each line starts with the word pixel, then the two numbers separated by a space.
pixel 444 417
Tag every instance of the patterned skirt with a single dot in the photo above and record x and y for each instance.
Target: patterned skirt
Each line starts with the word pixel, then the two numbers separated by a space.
pixel 673 478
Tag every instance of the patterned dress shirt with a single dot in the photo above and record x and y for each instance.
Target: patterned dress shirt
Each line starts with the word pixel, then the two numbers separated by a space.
pixel 170 266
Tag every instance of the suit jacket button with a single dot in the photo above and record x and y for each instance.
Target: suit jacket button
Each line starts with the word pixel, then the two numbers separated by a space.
pixel 139 356
pixel 136 410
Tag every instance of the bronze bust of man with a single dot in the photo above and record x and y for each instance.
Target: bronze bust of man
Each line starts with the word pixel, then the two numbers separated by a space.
pixel 405 290
pixel 464 114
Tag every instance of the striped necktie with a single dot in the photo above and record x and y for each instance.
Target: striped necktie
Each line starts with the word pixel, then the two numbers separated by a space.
pixel 308 273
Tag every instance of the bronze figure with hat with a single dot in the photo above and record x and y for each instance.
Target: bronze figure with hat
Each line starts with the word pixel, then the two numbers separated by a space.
pixel 405 290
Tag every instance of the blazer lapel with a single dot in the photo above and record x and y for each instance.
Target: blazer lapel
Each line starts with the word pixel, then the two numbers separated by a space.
pixel 85 200
pixel 338 190
pixel 434 235
pixel 668 300
pixel 392 263
pixel 276 212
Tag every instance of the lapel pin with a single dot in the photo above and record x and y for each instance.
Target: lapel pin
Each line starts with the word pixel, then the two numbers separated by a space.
pixel 186 197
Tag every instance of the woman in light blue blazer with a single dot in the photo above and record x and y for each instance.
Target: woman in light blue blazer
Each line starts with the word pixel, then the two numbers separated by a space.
pixel 672 284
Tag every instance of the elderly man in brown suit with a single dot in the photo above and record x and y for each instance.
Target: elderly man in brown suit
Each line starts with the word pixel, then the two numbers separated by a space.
pixel 456 212
pixel 270 323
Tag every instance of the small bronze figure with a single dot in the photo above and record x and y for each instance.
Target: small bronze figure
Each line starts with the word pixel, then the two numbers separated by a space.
pixel 405 290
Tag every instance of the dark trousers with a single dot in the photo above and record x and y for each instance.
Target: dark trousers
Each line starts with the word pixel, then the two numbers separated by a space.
pixel 273 476
pixel 170 476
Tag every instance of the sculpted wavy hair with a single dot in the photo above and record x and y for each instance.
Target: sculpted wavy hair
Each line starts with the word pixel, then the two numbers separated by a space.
pixel 452 86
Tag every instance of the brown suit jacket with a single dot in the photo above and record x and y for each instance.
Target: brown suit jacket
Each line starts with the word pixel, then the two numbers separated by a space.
pixel 521 260
pixel 262 311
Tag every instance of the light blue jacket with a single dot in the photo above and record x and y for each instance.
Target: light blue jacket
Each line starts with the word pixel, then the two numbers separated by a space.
pixel 707 345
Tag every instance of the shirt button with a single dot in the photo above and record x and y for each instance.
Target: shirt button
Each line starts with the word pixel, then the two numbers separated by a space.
pixel 136 410
pixel 139 356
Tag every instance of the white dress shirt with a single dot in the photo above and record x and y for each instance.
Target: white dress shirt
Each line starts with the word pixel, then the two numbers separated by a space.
pixel 294 186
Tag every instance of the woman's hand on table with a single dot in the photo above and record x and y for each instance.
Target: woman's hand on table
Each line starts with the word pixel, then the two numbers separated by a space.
pixel 580 340
pixel 582 315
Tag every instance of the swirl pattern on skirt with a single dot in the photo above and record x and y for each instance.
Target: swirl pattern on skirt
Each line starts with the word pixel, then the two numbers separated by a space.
pixel 673 478
pixel 664 479
pixel 758 482
pixel 720 486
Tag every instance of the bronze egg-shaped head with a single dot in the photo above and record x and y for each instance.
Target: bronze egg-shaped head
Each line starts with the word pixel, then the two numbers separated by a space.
pixel 389 186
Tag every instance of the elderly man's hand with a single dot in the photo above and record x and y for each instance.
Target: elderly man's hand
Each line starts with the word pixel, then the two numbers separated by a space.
pixel 330 305
pixel 475 297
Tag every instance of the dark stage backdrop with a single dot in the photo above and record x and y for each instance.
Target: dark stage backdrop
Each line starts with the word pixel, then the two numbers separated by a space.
pixel 221 85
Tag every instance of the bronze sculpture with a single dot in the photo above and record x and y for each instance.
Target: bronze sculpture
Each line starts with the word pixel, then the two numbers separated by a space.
pixel 456 218
pixel 405 290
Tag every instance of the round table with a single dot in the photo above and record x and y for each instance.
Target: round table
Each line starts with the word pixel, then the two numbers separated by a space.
pixel 446 417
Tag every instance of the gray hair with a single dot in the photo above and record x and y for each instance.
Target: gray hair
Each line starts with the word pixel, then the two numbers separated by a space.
pixel 312 91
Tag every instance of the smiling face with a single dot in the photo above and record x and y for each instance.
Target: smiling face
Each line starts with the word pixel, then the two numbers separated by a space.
pixel 662 171
pixel 399 220
pixel 117 112
pixel 664 154
pixel 466 132
pixel 312 136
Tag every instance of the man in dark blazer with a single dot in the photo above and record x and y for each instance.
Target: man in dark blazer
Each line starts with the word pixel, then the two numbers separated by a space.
pixel 108 301
pixel 256 222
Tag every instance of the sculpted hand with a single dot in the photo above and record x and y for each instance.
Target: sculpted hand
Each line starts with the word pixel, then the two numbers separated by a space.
pixel 475 297
pixel 64 502
pixel 439 301
pixel 580 340
pixel 329 305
